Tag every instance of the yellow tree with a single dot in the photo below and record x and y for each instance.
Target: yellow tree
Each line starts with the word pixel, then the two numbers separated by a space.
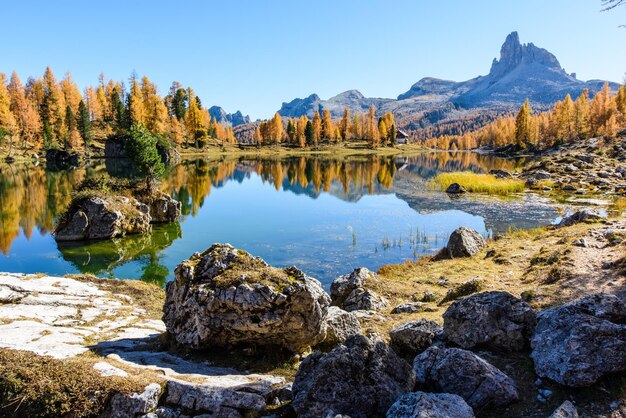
pixel 603 113
pixel 317 128
pixel 193 116
pixel 300 131
pixel 71 93
pixel 135 102
pixel 357 128
pixel 26 115
pixel 277 128
pixel 328 127
pixel 155 116
pixel 581 110
pixel 344 125
pixel 53 109
pixel 8 124
pixel 523 125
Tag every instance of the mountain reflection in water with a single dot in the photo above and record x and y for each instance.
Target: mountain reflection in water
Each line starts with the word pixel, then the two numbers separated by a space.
pixel 323 215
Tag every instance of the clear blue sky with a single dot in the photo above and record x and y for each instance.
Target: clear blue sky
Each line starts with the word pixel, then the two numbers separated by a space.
pixel 253 55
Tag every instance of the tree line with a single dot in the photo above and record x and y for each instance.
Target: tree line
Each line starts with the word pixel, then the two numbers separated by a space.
pixel 568 121
pixel 302 132
pixel 45 113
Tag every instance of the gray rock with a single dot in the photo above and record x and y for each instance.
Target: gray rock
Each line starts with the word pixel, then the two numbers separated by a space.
pixel 133 405
pixel 415 337
pixel 350 293
pixel 217 401
pixel 501 174
pixel 464 242
pixel 340 325
pixel 430 405
pixel 362 378
pixel 103 218
pixel 163 208
pixel 583 215
pixel 412 307
pixel 566 410
pixel 453 370
pixel 493 320
pixel 280 395
pixel 541 175
pixel 225 296
pixel 578 343
pixel 456 188
pixel 568 188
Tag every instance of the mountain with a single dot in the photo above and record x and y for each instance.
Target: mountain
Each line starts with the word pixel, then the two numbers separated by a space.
pixel 522 71
pixel 233 119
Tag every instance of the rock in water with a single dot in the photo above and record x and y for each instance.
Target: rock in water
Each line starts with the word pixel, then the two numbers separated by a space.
pixel 578 343
pixel 415 337
pixel 225 296
pixel 340 325
pixel 103 218
pixel 583 215
pixel 350 293
pixel 163 208
pixel 493 320
pixel 464 242
pixel 362 378
pixel 453 370
pixel 566 410
pixel 456 188
pixel 430 405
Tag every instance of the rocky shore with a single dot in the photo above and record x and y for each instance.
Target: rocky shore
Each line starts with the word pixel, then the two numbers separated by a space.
pixel 232 336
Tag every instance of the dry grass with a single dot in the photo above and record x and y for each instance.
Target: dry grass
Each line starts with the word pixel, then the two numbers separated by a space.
pixel 479 183
pixel 37 386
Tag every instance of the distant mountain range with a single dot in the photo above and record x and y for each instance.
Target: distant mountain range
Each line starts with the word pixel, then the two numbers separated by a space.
pixel 233 119
pixel 523 71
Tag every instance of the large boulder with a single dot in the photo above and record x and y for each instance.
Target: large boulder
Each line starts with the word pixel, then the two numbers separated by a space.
pixel 362 378
pixel 430 405
pixel 453 370
pixel 163 208
pixel 464 242
pixel 58 159
pixel 340 325
pixel 124 405
pixel 493 320
pixel 106 217
pixel 350 291
pixel 415 337
pixel 578 343
pixel 225 296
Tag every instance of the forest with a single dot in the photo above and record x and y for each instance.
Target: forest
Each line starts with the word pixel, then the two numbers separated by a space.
pixel 47 114
pixel 568 120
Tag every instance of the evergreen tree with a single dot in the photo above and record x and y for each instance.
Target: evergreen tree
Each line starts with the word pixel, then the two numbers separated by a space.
pixel 141 147
pixel 179 104
pixel 84 123
pixel 309 133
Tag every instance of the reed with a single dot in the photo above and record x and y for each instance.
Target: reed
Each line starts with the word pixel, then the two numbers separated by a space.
pixel 479 183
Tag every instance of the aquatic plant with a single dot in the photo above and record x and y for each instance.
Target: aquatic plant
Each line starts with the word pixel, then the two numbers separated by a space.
pixel 479 183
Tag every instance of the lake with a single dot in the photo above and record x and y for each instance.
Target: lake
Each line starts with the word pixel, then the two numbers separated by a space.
pixel 326 216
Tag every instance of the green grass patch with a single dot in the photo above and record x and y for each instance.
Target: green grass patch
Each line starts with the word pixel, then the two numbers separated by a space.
pixel 479 183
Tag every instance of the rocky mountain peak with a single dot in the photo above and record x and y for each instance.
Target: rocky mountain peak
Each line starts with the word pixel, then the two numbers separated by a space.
pixel 513 53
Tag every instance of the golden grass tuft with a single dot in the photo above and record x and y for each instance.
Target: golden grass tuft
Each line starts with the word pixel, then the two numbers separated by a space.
pixel 479 183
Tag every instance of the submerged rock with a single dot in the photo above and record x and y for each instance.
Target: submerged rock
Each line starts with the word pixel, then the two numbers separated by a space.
pixel 415 337
pixel 464 242
pixel 103 218
pixel 350 293
pixel 494 320
pixel 578 343
pixel 453 370
pixel 362 378
pixel 430 405
pixel 225 296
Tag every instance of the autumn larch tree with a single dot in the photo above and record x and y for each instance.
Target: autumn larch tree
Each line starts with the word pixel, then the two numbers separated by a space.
pixel 523 125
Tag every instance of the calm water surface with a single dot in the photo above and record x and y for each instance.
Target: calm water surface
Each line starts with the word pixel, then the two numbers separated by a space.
pixel 325 216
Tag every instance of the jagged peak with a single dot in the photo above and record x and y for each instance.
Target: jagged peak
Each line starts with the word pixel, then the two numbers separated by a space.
pixel 513 53
pixel 349 94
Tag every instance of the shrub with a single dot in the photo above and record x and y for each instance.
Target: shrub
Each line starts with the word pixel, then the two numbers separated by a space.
pixel 479 183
